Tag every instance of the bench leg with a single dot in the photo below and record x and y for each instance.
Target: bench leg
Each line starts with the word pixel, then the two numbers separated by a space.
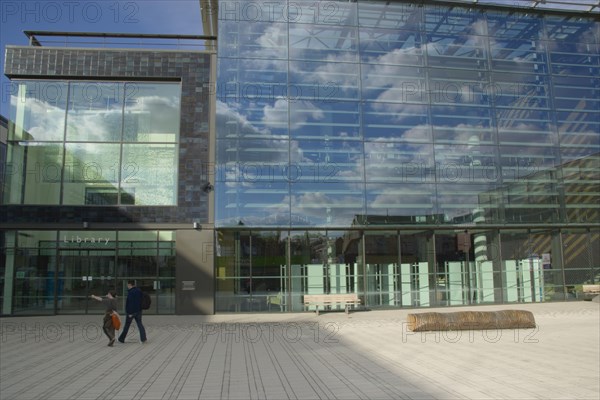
pixel 317 310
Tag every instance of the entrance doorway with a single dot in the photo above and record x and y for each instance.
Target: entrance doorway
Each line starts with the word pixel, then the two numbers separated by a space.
pixel 82 273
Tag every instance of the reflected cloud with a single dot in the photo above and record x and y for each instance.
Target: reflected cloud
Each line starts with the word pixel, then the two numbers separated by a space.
pixel 397 108
pixel 42 123
pixel 277 114
pixel 231 113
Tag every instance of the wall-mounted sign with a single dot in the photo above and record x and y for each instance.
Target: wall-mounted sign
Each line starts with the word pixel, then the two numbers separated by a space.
pixel 188 285
pixel 85 239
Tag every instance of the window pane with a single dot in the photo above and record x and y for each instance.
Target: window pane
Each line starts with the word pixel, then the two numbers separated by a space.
pixel 456 52
pixel 464 125
pixel 339 13
pixel 317 42
pixel 322 119
pixel 152 112
pixel 517 55
pixel 95 112
pixel 405 203
pixel 462 21
pixel 514 25
pixel 398 121
pixel 33 173
pixel 394 84
pixel 390 47
pixel 328 161
pixel 391 15
pixel 149 173
pixel 37 111
pixel 266 40
pixel 398 162
pixel 329 81
pixel 31 255
pixel 91 173
pixel 519 126
pixel 328 204
pixel 253 203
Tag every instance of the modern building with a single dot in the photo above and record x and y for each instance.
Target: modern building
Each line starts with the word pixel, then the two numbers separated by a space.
pixel 417 153
pixel 107 174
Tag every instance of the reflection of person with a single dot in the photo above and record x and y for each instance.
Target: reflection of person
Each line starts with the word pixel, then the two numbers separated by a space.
pixel 110 305
pixel 133 308
pixel 25 290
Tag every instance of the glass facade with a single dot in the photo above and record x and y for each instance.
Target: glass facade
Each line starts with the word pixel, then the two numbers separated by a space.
pixel 49 272
pixel 418 154
pixel 108 155
pixel 93 143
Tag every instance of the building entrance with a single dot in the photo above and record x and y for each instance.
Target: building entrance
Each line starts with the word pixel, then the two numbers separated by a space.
pixel 82 273
pixel 55 272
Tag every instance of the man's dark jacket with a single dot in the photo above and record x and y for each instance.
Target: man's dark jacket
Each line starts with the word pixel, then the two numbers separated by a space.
pixel 134 301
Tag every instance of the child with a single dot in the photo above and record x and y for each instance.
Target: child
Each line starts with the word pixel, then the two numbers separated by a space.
pixel 110 305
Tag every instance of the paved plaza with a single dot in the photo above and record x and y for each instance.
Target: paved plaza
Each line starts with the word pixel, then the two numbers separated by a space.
pixel 363 355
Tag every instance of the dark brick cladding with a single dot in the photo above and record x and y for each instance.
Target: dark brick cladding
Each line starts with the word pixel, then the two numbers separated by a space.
pixel 191 68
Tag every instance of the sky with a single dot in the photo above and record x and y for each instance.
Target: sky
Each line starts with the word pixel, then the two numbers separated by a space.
pixel 109 16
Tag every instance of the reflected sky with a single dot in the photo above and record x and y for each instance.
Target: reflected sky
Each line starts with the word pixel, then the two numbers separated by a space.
pixel 117 137
pixel 375 97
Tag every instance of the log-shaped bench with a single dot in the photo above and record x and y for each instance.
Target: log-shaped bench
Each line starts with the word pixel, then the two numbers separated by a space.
pixel 590 291
pixel 465 320
pixel 345 299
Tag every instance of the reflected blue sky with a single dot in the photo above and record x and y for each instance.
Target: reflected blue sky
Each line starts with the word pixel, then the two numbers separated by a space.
pixel 428 87
pixel 401 110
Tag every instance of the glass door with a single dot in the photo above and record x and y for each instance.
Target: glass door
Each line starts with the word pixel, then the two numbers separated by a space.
pixel 382 269
pixel 417 268
pixel 80 274
pixel 148 258
pixel 165 284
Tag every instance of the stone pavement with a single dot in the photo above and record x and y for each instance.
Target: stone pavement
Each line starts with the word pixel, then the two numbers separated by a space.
pixel 363 355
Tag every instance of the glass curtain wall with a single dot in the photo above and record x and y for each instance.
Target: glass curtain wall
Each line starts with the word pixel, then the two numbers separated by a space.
pixel 50 272
pixel 423 114
pixel 272 270
pixel 93 143
pixel 352 117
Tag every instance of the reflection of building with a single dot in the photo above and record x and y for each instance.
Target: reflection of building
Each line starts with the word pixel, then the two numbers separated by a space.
pixel 3 135
pixel 418 153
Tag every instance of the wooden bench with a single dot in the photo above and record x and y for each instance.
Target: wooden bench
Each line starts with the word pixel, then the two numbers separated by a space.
pixel 275 299
pixel 345 299
pixel 590 291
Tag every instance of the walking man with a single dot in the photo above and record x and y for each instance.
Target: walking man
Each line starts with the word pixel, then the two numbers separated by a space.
pixel 133 308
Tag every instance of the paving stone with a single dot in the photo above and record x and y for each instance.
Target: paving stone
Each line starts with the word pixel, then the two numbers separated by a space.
pixel 369 356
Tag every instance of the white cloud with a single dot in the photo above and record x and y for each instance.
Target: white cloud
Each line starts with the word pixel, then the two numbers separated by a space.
pixel 278 114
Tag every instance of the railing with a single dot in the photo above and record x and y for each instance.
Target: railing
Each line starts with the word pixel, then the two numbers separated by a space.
pixel 122 40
